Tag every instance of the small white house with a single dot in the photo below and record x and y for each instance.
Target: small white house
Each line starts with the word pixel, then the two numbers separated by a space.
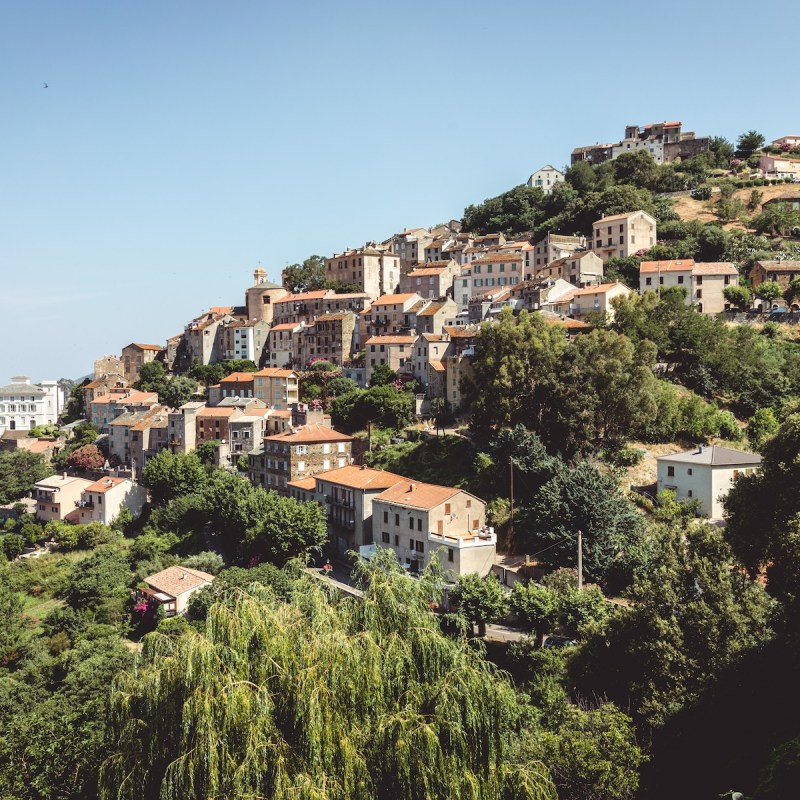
pixel 705 474
pixel 546 178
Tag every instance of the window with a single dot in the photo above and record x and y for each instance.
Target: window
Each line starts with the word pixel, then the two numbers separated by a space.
pixel 420 547
pixel 469 503
pixel 680 278
pixel 447 509
pixel 699 293
pixel 648 281
pixel 397 519
pixel 326 464
pixel 419 524
pixel 411 523
pixel 396 540
pixel 699 280
pixel 450 554
pixel 385 538
pixel 326 448
pixel 689 471
pixel 690 493
pixel 386 517
pixel 661 281
pixel 301 465
pixel 670 472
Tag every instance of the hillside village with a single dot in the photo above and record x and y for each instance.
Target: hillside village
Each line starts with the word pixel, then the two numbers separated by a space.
pixel 555 411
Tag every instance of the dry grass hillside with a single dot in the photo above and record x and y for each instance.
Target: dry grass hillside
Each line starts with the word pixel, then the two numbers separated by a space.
pixel 688 208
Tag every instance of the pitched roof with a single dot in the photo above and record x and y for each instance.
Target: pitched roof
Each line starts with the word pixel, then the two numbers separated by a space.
pixel 714 268
pixel 126 398
pixel 432 308
pixel 308 484
pixel 309 434
pixel 174 581
pixel 217 411
pixel 715 456
pixel 786 265
pixel 275 372
pixel 145 346
pixel 622 216
pixel 104 484
pixel 417 494
pixel 295 298
pixel 394 299
pixel 428 270
pixel 601 288
pixel 356 477
pixel 238 377
pixel 675 265
pixel 498 257
pixel 286 326
pixel 437 366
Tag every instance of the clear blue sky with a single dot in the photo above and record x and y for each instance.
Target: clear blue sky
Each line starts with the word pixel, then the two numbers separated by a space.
pixel 180 142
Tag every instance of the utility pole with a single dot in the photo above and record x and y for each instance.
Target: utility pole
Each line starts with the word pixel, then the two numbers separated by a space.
pixel 511 519
pixel 580 561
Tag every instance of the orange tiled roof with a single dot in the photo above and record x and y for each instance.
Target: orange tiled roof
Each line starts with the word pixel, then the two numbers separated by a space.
pixel 355 477
pixel 238 377
pixel 427 270
pixel 714 268
pixel 174 581
pixel 432 309
pixel 294 298
pixel 626 215
pixel 146 346
pixel 393 299
pixel 218 411
pixel 498 257
pixel 308 484
pixel 274 372
pixel 417 495
pixel 285 326
pixel 310 433
pixel 104 484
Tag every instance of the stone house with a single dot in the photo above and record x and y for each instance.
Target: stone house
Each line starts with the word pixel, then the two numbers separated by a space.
pixel 496 270
pixel 393 313
pixel 213 424
pixel 395 351
pixel 243 339
pixel 432 280
pixel 434 315
pixel 333 337
pixel 58 497
pixel 543 294
pixel 298 453
pixel 418 519
pixel 135 356
pixel 705 474
pixel 99 387
pixel 622 235
pixel 182 427
pixel 375 270
pixel 148 437
pixel 782 272
pixel 201 336
pixel 410 247
pixel 430 352
pixel 779 167
pixel 103 500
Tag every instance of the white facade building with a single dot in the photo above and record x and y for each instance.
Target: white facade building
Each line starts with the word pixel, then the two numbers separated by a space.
pixel 546 178
pixel 705 474
pixel 24 405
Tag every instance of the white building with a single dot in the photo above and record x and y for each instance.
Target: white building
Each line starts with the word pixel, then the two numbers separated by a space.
pixel 103 500
pixel 24 405
pixel 546 178
pixel 173 587
pixel 705 474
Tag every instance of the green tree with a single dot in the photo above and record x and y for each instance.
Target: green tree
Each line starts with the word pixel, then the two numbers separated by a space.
pixel 769 292
pixel 382 375
pixel 167 475
pixel 152 376
pixel 584 499
pixel 178 390
pixel 516 211
pixel 763 425
pixel 592 754
pixel 98 585
pixel 748 143
pixel 691 616
pixel 738 296
pixel 536 606
pixel 13 625
pixel 384 406
pixel 278 702
pixel 512 372
pixel 306 277
pixel 19 471
pixel 480 600
pixel 777 219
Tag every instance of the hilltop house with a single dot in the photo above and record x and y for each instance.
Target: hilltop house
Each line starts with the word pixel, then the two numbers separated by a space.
pixel 173 587
pixel 622 235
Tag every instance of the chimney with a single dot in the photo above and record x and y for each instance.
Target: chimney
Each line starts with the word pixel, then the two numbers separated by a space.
pixel 412 486
pixel 183 575
pixel 64 475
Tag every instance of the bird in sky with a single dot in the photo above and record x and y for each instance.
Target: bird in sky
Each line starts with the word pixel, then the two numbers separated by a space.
pixel 46 86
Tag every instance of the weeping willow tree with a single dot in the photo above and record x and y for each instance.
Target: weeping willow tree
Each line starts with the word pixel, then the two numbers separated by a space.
pixel 322 698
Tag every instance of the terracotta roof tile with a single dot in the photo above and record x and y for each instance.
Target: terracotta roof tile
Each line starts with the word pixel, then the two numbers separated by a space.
pixel 310 433
pixel 104 484
pixel 174 581
pixel 676 265
pixel 417 494
pixel 355 477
